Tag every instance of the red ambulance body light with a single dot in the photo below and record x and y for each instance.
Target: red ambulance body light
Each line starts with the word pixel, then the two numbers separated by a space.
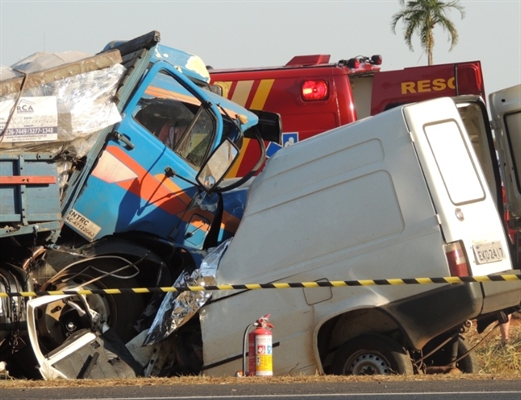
pixel 315 90
pixel 376 59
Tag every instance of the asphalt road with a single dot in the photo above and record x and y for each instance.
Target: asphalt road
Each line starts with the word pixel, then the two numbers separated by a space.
pixel 378 390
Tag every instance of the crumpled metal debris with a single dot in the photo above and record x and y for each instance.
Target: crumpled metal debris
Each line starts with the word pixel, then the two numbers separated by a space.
pixel 178 307
pixel 83 106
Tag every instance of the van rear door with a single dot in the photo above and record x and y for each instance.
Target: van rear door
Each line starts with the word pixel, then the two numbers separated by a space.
pixel 505 109
pixel 466 211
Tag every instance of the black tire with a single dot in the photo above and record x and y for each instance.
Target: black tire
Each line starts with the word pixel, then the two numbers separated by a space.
pixel 469 364
pixel 371 355
pixel 442 358
pixel 120 311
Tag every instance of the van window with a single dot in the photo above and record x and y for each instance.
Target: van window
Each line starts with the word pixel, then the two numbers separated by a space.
pixel 454 162
pixel 513 127
pixel 475 121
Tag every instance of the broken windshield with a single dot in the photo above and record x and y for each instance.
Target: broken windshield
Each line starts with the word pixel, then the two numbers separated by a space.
pixel 177 118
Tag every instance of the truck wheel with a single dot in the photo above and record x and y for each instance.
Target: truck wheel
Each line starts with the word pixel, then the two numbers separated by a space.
pixel 120 311
pixel 371 355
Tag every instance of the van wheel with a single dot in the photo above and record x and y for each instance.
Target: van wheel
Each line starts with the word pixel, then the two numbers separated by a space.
pixel 467 365
pixel 371 355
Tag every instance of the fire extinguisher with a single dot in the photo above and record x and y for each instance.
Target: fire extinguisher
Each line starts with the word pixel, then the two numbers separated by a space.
pixel 260 348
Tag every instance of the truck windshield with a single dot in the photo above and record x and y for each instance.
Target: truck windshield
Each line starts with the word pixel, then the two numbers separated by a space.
pixel 178 119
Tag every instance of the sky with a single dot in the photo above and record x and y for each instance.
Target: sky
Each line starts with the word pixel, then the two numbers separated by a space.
pixel 250 33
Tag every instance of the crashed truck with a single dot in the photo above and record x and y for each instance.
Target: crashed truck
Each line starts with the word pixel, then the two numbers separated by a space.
pixel 92 198
pixel 383 198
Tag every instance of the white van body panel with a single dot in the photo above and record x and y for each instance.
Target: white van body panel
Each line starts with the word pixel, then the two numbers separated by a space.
pixel 505 108
pixel 338 176
pixel 459 189
pixel 349 204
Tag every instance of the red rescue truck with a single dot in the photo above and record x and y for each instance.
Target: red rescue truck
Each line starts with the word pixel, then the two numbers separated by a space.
pixel 313 95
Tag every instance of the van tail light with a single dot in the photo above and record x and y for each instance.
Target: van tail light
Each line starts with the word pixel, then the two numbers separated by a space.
pixel 457 259
pixel 313 90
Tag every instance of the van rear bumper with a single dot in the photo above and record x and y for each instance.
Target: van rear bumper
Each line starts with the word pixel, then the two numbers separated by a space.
pixel 501 295
pixel 425 316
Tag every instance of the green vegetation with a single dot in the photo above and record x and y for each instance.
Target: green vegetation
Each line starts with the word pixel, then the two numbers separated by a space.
pixel 493 357
pixel 421 16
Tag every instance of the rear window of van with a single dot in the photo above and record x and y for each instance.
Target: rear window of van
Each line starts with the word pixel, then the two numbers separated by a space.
pixel 454 162
pixel 513 124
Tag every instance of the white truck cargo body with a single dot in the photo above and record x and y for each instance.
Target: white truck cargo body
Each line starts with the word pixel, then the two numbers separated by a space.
pixel 398 195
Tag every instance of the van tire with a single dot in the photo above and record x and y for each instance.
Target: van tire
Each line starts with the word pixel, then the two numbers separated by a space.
pixel 467 365
pixel 371 355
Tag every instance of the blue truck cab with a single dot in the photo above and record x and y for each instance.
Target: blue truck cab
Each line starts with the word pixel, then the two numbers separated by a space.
pixel 145 178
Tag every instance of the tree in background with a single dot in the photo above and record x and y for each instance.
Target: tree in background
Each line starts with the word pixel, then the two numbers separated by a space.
pixel 421 16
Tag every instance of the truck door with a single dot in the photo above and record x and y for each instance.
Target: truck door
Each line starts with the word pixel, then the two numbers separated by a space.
pixel 505 109
pixel 145 178
pixel 466 210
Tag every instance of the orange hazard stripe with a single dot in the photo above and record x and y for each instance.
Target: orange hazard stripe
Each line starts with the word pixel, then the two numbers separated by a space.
pixel 27 180
pixel 262 94
pixel 242 92
pixel 152 189
pixel 240 96
pixel 243 89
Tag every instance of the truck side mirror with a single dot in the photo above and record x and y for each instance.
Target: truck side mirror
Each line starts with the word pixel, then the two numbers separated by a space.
pixel 217 165
pixel 269 127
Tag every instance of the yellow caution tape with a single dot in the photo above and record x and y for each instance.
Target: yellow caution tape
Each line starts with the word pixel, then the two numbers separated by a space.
pixel 279 285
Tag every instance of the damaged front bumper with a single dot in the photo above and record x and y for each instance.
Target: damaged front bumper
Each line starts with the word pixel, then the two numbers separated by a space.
pixel 98 353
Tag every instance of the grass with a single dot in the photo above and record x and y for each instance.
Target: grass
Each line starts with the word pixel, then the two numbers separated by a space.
pixel 493 357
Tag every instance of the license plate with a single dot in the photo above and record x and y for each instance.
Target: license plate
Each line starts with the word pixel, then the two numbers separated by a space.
pixel 488 252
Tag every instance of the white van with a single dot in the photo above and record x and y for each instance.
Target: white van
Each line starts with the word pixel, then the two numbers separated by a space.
pixel 398 195
pixel 505 108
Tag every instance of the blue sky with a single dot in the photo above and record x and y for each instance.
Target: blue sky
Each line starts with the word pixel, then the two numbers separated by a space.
pixel 269 32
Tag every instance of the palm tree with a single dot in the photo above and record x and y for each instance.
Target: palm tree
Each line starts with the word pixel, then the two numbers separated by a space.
pixel 421 16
